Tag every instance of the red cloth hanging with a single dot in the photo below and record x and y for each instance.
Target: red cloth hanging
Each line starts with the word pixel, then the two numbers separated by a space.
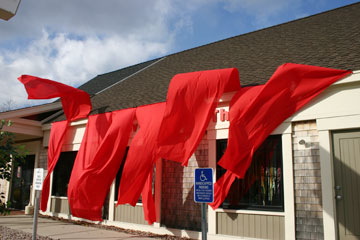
pixel 76 103
pixel 97 162
pixel 148 200
pixel 191 101
pixel 242 99
pixel 140 160
pixel 289 89
pixel 56 140
pixel 221 189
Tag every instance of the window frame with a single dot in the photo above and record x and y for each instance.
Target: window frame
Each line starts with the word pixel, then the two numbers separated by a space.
pixel 251 204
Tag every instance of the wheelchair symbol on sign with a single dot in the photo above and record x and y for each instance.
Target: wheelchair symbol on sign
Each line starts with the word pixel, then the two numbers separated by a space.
pixel 203 177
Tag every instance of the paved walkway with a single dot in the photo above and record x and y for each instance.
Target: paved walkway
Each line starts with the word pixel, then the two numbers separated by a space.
pixel 62 230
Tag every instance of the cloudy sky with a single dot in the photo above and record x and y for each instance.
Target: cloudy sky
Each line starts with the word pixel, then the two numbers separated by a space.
pixel 73 41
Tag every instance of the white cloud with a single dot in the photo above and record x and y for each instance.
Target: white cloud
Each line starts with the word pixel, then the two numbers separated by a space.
pixel 71 61
pixel 73 41
pixel 85 17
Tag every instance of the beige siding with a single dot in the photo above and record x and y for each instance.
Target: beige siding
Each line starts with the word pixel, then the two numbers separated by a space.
pixel 251 225
pixel 129 214
pixel 59 205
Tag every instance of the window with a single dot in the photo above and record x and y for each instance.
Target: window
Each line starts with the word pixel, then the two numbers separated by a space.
pixel 62 172
pixel 262 186
pixel 118 175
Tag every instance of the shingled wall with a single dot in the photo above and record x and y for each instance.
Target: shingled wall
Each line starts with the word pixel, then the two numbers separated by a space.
pixel 43 158
pixel 308 198
pixel 178 207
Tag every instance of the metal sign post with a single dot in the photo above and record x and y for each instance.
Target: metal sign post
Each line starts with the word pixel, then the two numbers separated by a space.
pixel 36 211
pixel 203 222
pixel 204 193
pixel 38 182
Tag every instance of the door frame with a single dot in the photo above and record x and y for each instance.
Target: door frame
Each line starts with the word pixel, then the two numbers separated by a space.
pixel 326 126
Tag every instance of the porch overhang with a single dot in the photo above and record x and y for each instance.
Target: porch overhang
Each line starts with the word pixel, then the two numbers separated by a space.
pixel 27 122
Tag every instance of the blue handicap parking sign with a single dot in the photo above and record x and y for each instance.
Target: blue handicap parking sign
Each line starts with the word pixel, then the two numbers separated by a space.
pixel 204 187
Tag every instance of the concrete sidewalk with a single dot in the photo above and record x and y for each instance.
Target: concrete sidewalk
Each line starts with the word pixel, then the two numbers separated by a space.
pixel 62 230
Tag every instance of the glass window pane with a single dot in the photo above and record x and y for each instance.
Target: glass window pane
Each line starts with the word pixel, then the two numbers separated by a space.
pixel 118 175
pixel 262 186
pixel 62 172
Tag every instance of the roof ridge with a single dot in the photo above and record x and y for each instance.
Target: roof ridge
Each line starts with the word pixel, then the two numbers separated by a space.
pixel 129 76
pixel 130 66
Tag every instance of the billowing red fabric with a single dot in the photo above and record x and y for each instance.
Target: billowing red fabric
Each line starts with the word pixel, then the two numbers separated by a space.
pixel 221 189
pixel 289 89
pixel 255 112
pixel 98 161
pixel 76 103
pixel 148 200
pixel 56 140
pixel 140 160
pixel 242 99
pixel 191 101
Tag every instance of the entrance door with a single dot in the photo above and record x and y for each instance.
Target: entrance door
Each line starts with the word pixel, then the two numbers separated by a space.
pixel 347 183
pixel 22 179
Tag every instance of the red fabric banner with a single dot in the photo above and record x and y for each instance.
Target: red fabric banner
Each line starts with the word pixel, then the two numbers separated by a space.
pixel 140 160
pixel 56 140
pixel 191 101
pixel 251 122
pixel 242 99
pixel 289 89
pixel 97 162
pixel 148 200
pixel 76 103
pixel 222 188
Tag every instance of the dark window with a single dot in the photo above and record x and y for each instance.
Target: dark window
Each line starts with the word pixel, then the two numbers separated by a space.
pixel 21 182
pixel 118 175
pixel 62 172
pixel 262 186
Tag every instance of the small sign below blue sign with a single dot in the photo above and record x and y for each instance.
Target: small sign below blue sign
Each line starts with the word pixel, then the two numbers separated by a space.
pixel 204 187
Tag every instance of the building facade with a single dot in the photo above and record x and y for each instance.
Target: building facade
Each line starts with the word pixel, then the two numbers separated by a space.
pixel 304 181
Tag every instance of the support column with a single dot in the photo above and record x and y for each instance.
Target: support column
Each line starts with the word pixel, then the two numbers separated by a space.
pixel 158 191
pixel 289 206
pixel 112 202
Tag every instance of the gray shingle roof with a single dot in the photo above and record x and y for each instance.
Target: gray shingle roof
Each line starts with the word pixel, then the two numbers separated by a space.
pixel 106 80
pixel 330 39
